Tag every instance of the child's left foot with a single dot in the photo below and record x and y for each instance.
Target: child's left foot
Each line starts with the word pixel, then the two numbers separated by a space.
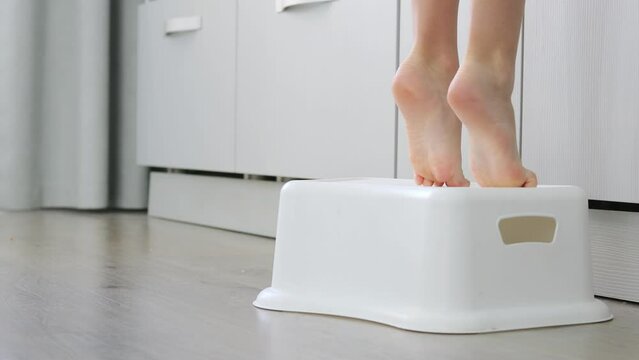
pixel 433 129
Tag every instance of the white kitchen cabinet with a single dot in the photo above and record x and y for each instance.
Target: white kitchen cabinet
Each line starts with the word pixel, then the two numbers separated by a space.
pixel 581 84
pixel 186 86
pixel 314 89
pixel 581 121
pixel 404 168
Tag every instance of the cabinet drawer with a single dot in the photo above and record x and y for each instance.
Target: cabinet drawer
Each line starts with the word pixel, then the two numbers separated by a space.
pixel 314 88
pixel 186 84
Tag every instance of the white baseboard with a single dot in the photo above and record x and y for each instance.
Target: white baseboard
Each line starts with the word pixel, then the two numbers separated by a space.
pixel 248 206
pixel 614 239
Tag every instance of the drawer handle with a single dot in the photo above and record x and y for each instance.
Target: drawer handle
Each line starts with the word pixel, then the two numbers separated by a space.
pixel 281 5
pixel 183 24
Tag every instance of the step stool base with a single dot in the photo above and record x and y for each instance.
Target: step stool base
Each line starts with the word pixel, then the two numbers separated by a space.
pixel 460 323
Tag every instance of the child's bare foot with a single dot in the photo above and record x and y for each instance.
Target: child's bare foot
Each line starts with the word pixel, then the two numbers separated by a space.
pixel 434 132
pixel 481 97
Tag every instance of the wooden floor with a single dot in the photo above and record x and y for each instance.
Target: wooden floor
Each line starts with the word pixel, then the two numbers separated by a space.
pixel 78 285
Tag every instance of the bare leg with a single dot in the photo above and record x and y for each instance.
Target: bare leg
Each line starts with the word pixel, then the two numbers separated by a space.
pixel 480 93
pixel 420 88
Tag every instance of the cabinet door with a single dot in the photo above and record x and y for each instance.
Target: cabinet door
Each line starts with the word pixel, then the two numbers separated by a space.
pixel 404 168
pixel 581 84
pixel 314 88
pixel 186 84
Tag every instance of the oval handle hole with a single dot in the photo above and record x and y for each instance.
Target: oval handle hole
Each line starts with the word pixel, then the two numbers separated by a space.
pixel 527 229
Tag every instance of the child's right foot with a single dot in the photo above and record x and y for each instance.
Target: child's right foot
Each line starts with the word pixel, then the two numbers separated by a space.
pixel 434 132
pixel 482 101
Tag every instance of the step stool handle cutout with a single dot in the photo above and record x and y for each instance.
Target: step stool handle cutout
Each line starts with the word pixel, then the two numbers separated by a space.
pixel 527 229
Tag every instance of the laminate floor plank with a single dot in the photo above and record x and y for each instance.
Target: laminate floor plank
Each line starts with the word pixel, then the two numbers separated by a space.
pixel 120 285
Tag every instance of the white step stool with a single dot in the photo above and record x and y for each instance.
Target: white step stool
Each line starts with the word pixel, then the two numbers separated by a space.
pixel 446 260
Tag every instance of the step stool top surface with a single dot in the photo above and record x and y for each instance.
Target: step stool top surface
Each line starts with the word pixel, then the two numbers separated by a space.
pixel 409 188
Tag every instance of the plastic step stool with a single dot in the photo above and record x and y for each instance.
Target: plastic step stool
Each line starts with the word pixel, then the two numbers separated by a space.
pixel 445 260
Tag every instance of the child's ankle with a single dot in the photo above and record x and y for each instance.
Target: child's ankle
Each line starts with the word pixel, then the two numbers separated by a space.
pixel 444 63
pixel 496 78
